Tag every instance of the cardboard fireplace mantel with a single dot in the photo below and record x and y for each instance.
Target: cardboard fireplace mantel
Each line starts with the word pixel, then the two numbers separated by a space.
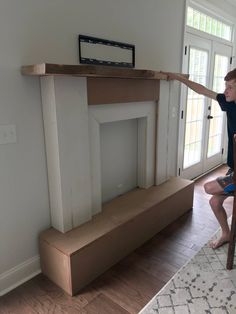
pixel 87 238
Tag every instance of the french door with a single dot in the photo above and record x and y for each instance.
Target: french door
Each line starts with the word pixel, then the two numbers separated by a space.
pixel 202 125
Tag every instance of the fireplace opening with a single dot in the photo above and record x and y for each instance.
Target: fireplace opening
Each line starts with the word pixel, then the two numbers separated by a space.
pixel 119 158
pixel 138 119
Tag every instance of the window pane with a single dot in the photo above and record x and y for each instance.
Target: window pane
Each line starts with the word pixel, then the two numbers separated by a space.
pixel 195 109
pixel 216 124
pixel 206 23
pixel 213 27
pixel 190 17
pixel 196 19
pixel 203 22
pixel 218 29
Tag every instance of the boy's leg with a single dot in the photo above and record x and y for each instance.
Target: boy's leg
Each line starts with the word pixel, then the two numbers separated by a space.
pixel 221 185
pixel 216 203
pixel 213 187
pixel 218 189
pixel 230 170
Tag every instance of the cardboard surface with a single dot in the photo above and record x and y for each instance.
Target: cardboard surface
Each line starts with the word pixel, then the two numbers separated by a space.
pixel 118 90
pixel 114 213
pixel 77 257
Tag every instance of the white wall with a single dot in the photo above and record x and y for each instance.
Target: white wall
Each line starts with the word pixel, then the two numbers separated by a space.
pixel 35 31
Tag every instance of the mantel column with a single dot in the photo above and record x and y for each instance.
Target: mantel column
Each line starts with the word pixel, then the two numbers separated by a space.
pixel 65 114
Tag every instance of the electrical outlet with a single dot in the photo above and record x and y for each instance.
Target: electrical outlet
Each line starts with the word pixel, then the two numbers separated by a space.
pixel 7 134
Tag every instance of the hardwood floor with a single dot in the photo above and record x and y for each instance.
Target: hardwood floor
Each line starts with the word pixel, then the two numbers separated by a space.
pixel 131 283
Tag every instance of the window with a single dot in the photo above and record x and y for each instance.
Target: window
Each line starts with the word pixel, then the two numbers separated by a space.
pixel 208 24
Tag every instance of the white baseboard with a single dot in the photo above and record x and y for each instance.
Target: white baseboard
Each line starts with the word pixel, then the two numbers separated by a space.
pixel 19 274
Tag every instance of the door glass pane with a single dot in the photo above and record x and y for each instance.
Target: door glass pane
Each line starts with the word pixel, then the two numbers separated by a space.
pixel 216 124
pixel 195 108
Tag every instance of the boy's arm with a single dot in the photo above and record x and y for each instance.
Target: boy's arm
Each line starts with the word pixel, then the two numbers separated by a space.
pixel 198 88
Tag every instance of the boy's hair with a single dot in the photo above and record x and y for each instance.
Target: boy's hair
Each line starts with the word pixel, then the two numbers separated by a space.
pixel 231 75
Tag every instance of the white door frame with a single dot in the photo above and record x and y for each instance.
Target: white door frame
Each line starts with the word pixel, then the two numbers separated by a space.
pixel 203 166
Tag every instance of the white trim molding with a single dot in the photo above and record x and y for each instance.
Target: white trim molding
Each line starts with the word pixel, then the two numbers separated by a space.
pixel 145 112
pixel 65 115
pixel 19 274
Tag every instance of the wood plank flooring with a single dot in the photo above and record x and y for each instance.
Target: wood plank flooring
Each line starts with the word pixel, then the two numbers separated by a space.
pixel 129 285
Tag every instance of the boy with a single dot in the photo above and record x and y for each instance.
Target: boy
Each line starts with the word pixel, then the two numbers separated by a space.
pixel 222 187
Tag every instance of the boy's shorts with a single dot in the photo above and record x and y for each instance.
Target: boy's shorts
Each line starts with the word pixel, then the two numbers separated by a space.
pixel 227 183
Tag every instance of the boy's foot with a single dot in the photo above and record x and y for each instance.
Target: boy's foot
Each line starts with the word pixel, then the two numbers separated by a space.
pixel 230 170
pixel 219 242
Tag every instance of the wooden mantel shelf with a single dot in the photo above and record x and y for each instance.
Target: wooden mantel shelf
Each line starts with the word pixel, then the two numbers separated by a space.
pixel 44 69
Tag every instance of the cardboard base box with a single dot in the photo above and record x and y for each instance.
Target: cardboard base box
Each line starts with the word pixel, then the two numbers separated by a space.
pixel 73 259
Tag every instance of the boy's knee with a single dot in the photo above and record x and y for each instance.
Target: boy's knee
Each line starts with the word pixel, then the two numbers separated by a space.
pixel 208 188
pixel 216 201
pixel 213 187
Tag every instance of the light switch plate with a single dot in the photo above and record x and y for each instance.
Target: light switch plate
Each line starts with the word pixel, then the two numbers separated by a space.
pixel 7 133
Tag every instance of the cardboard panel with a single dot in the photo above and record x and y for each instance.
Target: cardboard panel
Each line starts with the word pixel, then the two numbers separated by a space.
pixel 119 90
pixel 55 265
pixel 116 233
pixel 118 243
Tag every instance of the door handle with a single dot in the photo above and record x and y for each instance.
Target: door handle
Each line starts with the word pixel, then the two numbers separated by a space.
pixel 209 117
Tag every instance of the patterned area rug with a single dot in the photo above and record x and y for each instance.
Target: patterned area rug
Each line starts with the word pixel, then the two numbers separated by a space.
pixel 202 286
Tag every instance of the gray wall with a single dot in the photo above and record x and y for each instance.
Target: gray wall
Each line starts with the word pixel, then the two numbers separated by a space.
pixel 33 31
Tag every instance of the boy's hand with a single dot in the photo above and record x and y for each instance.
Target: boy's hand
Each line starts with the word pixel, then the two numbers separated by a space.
pixel 168 75
pixel 173 76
